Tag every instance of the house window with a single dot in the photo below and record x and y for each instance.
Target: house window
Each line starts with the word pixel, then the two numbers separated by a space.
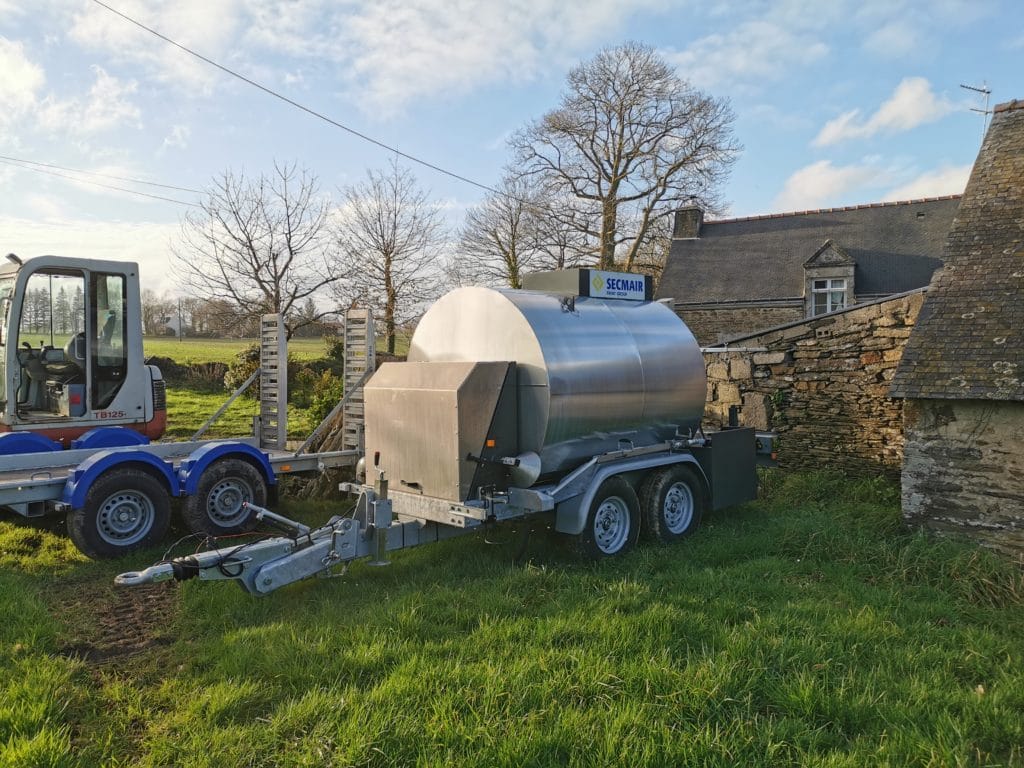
pixel 828 295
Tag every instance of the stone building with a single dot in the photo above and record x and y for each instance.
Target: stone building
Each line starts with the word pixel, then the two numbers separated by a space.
pixel 962 372
pixel 734 277
pixel 821 384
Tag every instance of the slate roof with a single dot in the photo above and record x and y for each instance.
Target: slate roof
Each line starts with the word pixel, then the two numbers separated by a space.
pixel 968 343
pixel 896 246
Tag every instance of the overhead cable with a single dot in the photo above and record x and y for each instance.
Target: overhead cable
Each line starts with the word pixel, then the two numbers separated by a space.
pixel 298 105
pixel 99 174
pixel 97 183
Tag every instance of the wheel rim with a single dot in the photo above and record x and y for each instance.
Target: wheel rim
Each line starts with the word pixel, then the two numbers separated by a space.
pixel 678 508
pixel 611 525
pixel 224 502
pixel 125 518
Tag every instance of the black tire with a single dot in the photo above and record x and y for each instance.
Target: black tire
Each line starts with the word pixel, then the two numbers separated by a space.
pixel 216 507
pixel 613 521
pixel 673 501
pixel 126 509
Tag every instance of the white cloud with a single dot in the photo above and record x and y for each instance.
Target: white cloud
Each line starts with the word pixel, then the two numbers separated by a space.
pixel 177 138
pixel 406 50
pixel 896 39
pixel 20 80
pixel 752 51
pixel 947 180
pixel 45 207
pixel 913 103
pixel 822 185
pixel 107 105
pixel 207 26
pixel 144 242
pixel 11 8
pixel 391 52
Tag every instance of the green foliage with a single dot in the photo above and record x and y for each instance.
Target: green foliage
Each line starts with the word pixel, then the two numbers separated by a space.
pixel 334 348
pixel 316 393
pixel 246 361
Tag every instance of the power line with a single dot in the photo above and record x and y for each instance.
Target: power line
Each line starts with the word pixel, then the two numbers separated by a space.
pixel 97 183
pixel 296 104
pixel 97 173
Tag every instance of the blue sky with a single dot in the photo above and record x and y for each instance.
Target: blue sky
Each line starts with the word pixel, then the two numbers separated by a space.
pixel 837 103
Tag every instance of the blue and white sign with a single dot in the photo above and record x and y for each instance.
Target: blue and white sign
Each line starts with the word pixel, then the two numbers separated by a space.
pixel 617 285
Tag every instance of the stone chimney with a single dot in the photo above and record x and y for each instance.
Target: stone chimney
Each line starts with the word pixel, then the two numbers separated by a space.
pixel 688 223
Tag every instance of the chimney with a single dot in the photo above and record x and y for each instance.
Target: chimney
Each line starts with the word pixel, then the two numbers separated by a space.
pixel 688 223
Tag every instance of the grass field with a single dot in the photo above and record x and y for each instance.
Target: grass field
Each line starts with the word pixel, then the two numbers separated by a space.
pixel 188 351
pixel 188 409
pixel 806 629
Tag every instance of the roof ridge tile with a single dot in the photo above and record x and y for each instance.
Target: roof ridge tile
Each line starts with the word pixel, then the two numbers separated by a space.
pixel 861 206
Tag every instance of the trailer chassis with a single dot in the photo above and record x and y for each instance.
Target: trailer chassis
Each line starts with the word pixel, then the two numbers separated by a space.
pixel 381 522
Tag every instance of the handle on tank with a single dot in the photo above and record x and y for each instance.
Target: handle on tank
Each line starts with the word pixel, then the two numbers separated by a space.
pixel 505 461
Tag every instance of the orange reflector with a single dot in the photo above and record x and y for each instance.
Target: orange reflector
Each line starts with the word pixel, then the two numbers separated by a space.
pixel 490 442
pixel 286 467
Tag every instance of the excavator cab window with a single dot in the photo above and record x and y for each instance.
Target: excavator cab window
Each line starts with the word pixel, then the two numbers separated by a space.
pixel 108 324
pixel 50 329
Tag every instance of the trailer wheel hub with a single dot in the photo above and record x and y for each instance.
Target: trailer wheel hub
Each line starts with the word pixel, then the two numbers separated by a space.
pixel 678 507
pixel 224 503
pixel 125 518
pixel 611 525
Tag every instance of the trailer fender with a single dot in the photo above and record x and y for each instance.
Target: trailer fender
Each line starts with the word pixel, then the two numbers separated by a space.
pixel 110 437
pixel 193 467
pixel 86 473
pixel 15 443
pixel 571 514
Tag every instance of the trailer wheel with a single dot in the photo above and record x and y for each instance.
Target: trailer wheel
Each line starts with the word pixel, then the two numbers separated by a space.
pixel 125 509
pixel 612 522
pixel 673 501
pixel 216 507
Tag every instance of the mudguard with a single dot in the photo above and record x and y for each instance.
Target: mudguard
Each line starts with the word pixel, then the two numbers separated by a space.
pixel 571 515
pixel 110 437
pixel 190 470
pixel 14 443
pixel 86 473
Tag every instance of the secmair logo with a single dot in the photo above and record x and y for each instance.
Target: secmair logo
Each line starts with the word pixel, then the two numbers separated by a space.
pixel 597 282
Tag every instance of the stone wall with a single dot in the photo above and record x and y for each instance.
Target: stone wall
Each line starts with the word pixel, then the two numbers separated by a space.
pixel 963 469
pixel 822 385
pixel 711 326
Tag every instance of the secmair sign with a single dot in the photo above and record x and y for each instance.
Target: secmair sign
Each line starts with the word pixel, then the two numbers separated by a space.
pixel 617 285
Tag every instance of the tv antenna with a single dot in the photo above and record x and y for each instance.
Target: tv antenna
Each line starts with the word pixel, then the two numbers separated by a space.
pixel 985 92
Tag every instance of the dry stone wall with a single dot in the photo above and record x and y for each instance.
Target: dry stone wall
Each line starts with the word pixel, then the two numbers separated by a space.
pixel 963 470
pixel 822 385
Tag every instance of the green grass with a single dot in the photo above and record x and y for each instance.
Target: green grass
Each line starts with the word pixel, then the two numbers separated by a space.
pixel 807 629
pixel 188 351
pixel 188 409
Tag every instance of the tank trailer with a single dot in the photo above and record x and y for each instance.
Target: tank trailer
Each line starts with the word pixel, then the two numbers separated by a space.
pixel 578 397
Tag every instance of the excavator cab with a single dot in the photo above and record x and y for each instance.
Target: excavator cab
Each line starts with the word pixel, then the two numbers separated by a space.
pixel 71 349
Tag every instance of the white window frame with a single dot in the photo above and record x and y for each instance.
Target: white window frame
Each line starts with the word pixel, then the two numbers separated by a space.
pixel 833 287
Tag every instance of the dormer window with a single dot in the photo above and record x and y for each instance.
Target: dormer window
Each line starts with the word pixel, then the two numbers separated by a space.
pixel 828 295
pixel 828 280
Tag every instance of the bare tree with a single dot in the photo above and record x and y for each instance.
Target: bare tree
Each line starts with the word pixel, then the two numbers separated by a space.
pixel 157 311
pixel 563 233
pixel 632 142
pixel 260 245
pixel 389 238
pixel 499 240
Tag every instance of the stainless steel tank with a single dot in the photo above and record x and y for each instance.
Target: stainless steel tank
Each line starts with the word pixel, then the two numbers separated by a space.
pixel 592 374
